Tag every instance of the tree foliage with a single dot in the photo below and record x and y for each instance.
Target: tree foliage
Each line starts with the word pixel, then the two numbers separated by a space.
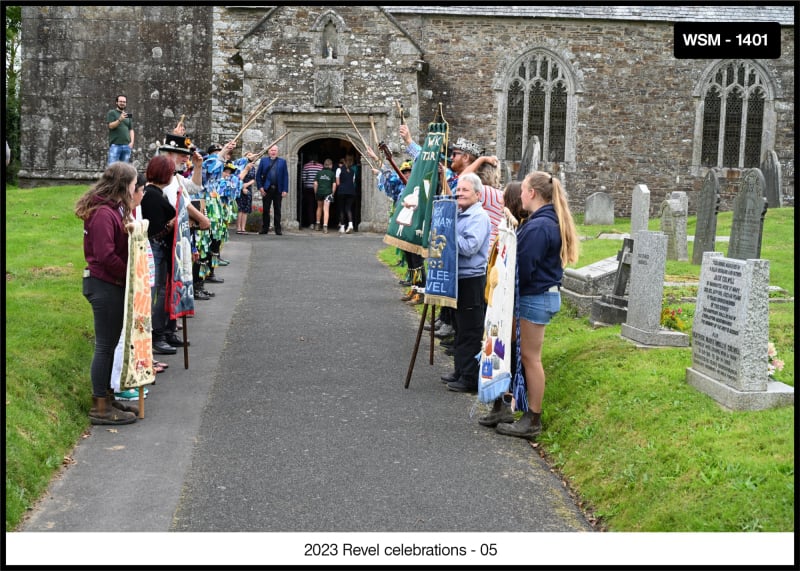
pixel 13 18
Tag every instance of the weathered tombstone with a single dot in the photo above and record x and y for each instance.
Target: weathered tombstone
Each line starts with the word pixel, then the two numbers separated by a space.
pixel 646 290
pixel 612 308
pixel 749 208
pixel 730 334
pixel 640 208
pixel 705 234
pixel 530 159
pixel 599 209
pixel 673 224
pixel 771 169
pixel 581 287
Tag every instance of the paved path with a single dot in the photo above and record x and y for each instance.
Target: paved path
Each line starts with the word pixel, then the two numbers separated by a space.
pixel 293 417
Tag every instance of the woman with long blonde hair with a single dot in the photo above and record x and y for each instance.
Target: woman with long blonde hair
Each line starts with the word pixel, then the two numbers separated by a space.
pixel 546 244
pixel 105 209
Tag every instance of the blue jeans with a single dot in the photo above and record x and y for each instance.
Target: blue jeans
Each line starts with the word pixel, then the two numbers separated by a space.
pixel 119 153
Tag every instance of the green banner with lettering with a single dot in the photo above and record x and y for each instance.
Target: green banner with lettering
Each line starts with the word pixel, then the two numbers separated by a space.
pixel 409 227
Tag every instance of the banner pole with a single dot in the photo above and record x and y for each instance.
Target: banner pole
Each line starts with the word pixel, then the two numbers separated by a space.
pixel 416 344
pixel 185 344
pixel 433 321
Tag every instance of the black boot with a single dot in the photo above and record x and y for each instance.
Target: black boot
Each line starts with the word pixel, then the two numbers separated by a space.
pixel 529 426
pixel 501 412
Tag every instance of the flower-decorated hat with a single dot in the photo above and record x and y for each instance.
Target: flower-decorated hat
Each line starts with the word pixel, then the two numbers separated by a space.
pixel 467 146
pixel 229 166
pixel 176 144
pixel 406 166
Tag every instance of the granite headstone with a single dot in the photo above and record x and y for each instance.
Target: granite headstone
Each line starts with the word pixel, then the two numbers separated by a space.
pixel 730 333
pixel 749 209
pixel 771 169
pixel 640 208
pixel 599 209
pixel 673 224
pixel 705 234
pixel 643 324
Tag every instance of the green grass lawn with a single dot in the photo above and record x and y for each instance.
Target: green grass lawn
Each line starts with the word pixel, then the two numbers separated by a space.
pixel 643 450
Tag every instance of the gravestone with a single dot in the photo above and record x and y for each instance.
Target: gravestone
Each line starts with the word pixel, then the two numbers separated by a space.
pixel 749 209
pixel 705 234
pixel 640 208
pixel 643 325
pixel 771 169
pixel 599 209
pixel 530 159
pixel 612 308
pixel 730 334
pixel 581 287
pixel 673 224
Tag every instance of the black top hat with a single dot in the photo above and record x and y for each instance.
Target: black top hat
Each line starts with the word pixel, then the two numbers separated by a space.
pixel 176 144
pixel 214 148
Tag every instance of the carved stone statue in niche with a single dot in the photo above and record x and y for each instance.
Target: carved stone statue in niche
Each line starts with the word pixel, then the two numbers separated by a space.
pixel 328 87
pixel 329 41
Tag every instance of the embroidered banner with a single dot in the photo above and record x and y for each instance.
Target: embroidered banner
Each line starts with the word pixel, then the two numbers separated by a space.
pixel 180 288
pixel 441 284
pixel 409 227
pixel 137 325
pixel 496 366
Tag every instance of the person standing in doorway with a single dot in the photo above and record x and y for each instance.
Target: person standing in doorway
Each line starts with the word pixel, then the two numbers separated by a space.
pixel 120 132
pixel 310 170
pixel 272 180
pixel 324 189
pixel 346 194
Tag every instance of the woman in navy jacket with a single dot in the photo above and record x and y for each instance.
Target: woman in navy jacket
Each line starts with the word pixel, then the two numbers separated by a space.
pixel 546 244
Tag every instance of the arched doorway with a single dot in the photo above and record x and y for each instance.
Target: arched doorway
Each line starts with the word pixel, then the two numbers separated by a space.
pixel 321 149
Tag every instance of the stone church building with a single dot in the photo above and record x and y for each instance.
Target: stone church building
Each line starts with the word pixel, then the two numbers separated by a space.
pixel 598 86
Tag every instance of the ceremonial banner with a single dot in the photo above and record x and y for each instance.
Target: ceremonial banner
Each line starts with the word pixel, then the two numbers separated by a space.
pixel 137 325
pixel 409 226
pixel 496 366
pixel 441 283
pixel 180 288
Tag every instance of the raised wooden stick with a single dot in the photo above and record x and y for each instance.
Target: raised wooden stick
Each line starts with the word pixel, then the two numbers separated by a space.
pixel 267 148
pixel 400 110
pixel 362 152
pixel 356 128
pixel 374 133
pixel 260 108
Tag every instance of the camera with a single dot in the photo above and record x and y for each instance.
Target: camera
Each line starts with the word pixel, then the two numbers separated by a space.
pixel 130 115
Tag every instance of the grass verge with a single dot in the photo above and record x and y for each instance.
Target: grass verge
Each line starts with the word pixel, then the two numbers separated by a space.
pixel 642 449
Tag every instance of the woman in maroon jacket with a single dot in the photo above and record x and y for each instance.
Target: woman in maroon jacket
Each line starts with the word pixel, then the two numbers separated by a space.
pixel 105 209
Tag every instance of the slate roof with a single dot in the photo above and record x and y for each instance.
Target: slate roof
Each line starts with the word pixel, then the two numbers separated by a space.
pixel 784 14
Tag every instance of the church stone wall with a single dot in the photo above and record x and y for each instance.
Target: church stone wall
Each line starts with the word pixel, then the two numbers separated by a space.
pixel 77 59
pixel 635 121
pixel 636 110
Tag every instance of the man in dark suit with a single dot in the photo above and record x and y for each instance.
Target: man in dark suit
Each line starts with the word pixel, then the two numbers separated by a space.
pixel 272 180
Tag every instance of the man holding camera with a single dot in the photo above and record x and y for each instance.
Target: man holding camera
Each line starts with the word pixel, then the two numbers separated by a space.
pixel 120 132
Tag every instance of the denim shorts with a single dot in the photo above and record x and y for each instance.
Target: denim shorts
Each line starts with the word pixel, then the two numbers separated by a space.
pixel 539 308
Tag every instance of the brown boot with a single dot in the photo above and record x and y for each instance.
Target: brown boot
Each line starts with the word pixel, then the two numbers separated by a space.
pixel 103 412
pixel 122 405
pixel 416 299
pixel 408 295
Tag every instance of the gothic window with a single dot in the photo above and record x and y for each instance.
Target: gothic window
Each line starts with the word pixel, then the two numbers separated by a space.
pixel 733 101
pixel 539 99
